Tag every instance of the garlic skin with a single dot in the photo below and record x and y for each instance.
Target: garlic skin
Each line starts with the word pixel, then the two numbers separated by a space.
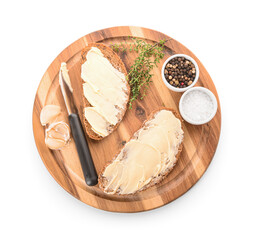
pixel 48 114
pixel 57 135
pixel 54 144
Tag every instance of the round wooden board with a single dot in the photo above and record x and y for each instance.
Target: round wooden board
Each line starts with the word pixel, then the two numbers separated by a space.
pixel 199 145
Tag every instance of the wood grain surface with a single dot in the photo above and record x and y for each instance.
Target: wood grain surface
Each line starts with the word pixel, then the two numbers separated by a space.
pixel 199 145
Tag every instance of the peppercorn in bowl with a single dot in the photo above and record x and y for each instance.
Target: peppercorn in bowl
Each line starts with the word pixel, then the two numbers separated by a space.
pixel 180 72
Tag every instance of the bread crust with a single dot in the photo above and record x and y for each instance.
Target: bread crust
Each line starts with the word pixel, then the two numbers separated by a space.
pixel 158 179
pixel 117 63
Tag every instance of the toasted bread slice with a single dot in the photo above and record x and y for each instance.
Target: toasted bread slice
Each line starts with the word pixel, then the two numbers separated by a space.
pixel 117 63
pixel 103 182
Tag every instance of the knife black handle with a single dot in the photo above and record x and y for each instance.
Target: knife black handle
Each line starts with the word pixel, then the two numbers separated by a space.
pixel 87 164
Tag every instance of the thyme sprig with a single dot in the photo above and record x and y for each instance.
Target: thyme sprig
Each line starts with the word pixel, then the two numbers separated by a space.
pixel 140 76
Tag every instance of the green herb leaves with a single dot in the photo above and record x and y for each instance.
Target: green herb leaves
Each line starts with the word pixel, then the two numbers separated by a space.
pixel 149 55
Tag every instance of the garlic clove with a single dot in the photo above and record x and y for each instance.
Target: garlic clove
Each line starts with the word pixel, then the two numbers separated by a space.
pixel 54 144
pixel 49 113
pixel 57 135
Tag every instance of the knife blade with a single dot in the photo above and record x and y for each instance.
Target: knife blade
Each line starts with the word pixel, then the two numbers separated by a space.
pixel 87 165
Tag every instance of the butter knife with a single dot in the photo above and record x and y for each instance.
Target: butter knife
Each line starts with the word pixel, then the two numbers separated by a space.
pixel 87 165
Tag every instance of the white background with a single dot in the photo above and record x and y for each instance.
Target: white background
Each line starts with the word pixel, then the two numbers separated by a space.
pixel 222 205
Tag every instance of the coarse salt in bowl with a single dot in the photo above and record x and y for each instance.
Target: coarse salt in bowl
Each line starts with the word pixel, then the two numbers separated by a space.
pixel 198 105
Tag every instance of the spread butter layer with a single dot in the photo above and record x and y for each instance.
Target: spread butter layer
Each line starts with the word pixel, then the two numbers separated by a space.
pixel 150 153
pixel 66 76
pixel 105 89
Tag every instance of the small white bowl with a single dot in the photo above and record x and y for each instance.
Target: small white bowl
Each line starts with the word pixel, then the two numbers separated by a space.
pixel 172 87
pixel 213 99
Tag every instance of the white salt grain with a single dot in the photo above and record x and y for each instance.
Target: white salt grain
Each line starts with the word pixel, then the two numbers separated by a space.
pixel 197 106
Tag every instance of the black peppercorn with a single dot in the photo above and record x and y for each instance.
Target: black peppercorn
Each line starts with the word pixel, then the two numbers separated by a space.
pixel 180 72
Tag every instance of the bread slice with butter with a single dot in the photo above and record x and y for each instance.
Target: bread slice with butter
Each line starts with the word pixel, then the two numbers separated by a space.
pixel 105 90
pixel 148 157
